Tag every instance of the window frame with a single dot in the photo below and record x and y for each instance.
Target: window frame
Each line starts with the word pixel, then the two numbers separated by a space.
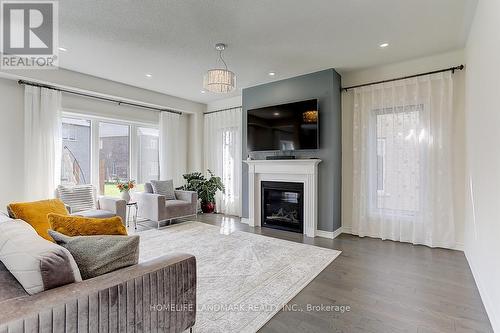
pixel 94 141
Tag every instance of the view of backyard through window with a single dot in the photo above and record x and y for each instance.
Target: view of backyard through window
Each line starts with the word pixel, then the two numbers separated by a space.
pixel 115 160
pixel 75 166
pixel 114 156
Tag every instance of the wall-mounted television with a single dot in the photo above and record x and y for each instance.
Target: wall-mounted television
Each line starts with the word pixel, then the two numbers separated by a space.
pixel 286 127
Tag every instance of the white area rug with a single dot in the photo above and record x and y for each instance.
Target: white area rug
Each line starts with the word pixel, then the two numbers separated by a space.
pixel 244 279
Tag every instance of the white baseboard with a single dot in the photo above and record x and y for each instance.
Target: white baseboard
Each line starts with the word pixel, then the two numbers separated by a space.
pixel 329 234
pixel 487 301
pixel 244 220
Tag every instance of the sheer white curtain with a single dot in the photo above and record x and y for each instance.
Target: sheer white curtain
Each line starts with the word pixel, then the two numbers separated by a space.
pixel 173 147
pixel 402 161
pixel 222 146
pixel 42 142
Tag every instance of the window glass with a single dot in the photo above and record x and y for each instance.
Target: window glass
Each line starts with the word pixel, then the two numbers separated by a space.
pixel 148 160
pixel 397 164
pixel 75 163
pixel 114 156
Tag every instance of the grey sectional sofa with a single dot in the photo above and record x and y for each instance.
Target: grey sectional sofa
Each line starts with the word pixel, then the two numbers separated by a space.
pixel 157 208
pixel 159 295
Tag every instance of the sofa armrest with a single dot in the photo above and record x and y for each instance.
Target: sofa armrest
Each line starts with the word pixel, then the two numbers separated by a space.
pixel 115 205
pixel 189 196
pixel 150 205
pixel 160 293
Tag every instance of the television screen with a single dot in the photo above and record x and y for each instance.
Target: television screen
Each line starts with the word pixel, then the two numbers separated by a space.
pixel 291 126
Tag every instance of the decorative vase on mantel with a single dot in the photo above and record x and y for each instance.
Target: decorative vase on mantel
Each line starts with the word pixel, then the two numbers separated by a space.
pixel 126 195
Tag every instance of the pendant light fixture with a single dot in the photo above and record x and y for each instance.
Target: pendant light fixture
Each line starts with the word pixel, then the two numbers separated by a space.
pixel 220 80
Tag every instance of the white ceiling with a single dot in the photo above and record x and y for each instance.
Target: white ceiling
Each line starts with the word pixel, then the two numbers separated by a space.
pixel 122 40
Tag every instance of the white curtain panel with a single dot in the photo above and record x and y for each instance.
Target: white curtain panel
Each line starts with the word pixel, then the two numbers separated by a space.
pixel 222 147
pixel 173 147
pixel 402 161
pixel 42 142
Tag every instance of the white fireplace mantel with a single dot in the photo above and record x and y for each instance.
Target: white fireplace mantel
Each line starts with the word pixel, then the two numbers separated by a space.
pixel 300 171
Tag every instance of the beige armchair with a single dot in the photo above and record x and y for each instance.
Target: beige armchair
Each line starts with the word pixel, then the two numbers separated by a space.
pixel 157 208
pixel 82 200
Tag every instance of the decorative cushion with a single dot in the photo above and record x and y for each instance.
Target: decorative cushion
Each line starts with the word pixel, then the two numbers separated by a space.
pixel 97 255
pixel 148 188
pixel 35 213
pixel 78 197
pixel 36 263
pixel 86 226
pixel 164 187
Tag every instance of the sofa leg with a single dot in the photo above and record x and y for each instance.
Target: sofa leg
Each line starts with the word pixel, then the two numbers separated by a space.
pixel 190 330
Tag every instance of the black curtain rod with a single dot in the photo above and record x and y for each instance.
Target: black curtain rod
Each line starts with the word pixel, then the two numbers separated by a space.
pixel 452 69
pixel 107 99
pixel 234 107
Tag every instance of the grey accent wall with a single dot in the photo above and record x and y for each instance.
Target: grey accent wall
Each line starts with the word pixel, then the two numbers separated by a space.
pixel 324 85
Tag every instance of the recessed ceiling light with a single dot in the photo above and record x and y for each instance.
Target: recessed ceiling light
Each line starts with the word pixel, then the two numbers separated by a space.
pixel 384 45
pixel 149 75
pixel 272 73
pixel 203 91
pixel 276 113
pixel 62 49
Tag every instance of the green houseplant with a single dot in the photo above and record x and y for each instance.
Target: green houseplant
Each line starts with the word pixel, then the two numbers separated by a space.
pixel 206 188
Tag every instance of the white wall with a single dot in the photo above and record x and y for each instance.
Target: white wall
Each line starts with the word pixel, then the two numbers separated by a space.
pixel 482 241
pixel 398 70
pixel 12 118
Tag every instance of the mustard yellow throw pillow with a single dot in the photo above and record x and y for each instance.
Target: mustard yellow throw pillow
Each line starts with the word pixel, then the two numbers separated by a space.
pixel 86 226
pixel 35 213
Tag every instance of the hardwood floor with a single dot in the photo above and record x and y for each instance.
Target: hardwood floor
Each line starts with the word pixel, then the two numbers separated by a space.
pixel 389 287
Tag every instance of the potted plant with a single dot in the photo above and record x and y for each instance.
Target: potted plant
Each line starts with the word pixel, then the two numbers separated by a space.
pixel 206 188
pixel 124 188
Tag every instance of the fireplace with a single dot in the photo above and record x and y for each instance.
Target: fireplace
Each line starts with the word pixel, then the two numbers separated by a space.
pixel 282 205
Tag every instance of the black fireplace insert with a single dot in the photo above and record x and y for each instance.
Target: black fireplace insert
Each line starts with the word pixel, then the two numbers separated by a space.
pixel 282 205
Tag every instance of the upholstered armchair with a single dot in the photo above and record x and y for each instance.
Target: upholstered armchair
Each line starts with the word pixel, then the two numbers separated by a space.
pixel 82 200
pixel 157 208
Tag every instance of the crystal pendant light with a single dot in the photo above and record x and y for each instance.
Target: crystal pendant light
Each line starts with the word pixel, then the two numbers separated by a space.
pixel 220 80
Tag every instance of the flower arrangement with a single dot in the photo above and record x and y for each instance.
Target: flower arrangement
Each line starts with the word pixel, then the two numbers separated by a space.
pixel 125 186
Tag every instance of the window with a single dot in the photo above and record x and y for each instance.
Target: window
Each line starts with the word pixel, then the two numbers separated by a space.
pixel 396 171
pixel 75 163
pixel 101 152
pixel 114 156
pixel 148 161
